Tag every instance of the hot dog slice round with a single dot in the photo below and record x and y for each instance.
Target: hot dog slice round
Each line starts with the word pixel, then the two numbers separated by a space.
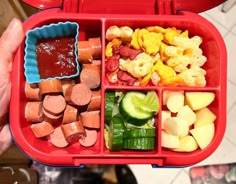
pixel 85 52
pixel 33 111
pixel 53 119
pixel 54 104
pixel 32 92
pixel 42 129
pixel 78 94
pixel 95 102
pixel 91 119
pixel 73 131
pixel 90 138
pixel 58 139
pixel 96 46
pixel 70 114
pixel 90 77
pixel 65 84
pixel 50 86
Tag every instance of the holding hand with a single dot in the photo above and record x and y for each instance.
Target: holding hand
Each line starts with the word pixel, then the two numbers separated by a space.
pixel 9 42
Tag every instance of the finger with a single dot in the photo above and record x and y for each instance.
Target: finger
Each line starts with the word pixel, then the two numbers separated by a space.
pixel 5 139
pixel 9 42
pixel 12 37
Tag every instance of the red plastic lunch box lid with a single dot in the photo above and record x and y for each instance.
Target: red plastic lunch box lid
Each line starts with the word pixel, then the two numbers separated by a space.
pixel 127 7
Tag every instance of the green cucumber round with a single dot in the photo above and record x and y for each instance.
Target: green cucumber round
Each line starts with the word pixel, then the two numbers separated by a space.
pixel 139 132
pixel 142 143
pixel 116 130
pixel 109 105
pixel 130 112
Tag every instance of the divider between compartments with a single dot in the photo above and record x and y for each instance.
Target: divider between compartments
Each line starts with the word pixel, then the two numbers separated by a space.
pixel 102 144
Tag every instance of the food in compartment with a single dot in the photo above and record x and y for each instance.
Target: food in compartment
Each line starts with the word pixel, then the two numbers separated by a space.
pixel 189 128
pixel 49 87
pixel 73 131
pixel 70 114
pixel 65 111
pixel 42 129
pixel 90 76
pixel 32 92
pixel 130 120
pixel 33 111
pixel 78 94
pixel 89 50
pixel 59 54
pixel 192 99
pixel 154 55
pixel 90 138
pixel 57 138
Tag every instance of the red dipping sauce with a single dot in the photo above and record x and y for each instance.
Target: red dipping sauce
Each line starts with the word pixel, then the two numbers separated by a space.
pixel 56 57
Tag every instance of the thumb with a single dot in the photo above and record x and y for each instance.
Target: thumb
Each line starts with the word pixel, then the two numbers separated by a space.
pixel 9 42
pixel 12 37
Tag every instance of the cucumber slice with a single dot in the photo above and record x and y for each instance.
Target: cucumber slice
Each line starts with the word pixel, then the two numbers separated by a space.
pixel 149 104
pixel 147 143
pixel 130 112
pixel 109 105
pixel 116 130
pixel 139 132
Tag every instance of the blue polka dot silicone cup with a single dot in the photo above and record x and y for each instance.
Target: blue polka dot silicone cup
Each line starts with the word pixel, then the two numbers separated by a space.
pixel 48 31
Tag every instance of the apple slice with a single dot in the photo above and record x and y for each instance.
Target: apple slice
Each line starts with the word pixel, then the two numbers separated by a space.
pixel 168 140
pixel 176 126
pixel 164 115
pixel 167 94
pixel 175 102
pixel 186 144
pixel 204 116
pixel 199 100
pixel 204 134
pixel 187 114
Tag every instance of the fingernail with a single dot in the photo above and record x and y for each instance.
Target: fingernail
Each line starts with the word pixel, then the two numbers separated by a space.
pixel 12 25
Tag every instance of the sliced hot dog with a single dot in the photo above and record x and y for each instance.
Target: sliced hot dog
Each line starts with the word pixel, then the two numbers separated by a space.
pixel 65 84
pixel 85 52
pixel 52 118
pixel 95 102
pixel 91 119
pixel 58 139
pixel 42 129
pixel 90 138
pixel 50 86
pixel 95 65
pixel 78 94
pixel 90 76
pixel 70 114
pixel 32 92
pixel 54 104
pixel 96 46
pixel 73 131
pixel 33 111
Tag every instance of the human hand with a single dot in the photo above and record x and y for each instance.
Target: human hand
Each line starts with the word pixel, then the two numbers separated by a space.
pixel 9 42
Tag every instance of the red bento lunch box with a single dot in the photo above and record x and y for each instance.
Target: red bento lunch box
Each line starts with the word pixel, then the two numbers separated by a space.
pixel 94 17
